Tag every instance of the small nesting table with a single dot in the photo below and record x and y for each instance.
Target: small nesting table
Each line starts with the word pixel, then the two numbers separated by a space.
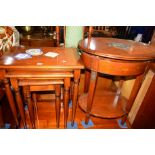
pixel 116 57
pixel 65 66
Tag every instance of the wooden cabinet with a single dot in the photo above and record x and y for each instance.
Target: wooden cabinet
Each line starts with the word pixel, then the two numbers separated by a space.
pixel 145 117
pixel 37 40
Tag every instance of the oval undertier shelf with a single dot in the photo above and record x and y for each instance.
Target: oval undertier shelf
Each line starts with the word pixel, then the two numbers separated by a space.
pixel 103 104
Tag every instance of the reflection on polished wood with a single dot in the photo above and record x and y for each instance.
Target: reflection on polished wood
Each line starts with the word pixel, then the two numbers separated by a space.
pixel 103 104
pixel 101 47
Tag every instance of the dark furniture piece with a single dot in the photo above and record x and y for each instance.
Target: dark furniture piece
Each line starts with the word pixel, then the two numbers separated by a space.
pixel 2 93
pixel 145 117
pixel 37 40
pixel 102 31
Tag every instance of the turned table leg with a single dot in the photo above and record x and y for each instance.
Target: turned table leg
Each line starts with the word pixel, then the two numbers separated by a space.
pixel 75 94
pixel 87 80
pixel 66 99
pixel 118 93
pixel 30 106
pixel 34 97
pixel 57 104
pixel 14 83
pixel 92 85
pixel 11 101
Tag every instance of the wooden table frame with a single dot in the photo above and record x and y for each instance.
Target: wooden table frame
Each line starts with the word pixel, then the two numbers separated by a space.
pixel 116 57
pixel 68 61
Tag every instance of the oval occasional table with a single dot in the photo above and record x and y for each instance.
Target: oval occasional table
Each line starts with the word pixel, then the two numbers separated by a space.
pixel 115 57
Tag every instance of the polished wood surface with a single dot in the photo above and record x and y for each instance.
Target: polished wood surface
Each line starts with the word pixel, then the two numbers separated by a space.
pixel 65 66
pixel 115 57
pixel 105 97
pixel 108 66
pixel 67 59
pixel 101 47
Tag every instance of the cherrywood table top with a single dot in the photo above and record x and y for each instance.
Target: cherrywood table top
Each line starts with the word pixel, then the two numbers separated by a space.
pixel 117 48
pixel 68 58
